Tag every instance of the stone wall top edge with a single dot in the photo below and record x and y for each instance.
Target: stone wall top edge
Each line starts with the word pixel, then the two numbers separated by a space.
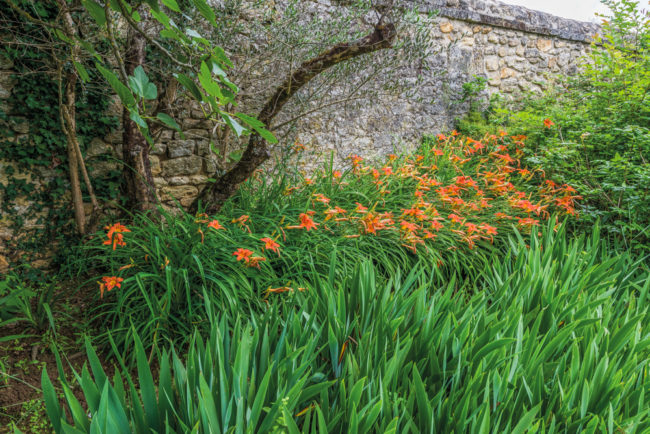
pixel 499 14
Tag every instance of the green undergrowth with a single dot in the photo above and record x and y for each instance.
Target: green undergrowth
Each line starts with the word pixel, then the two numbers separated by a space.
pixel 447 208
pixel 553 337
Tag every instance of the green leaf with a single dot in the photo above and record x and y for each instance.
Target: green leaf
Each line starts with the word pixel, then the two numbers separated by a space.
pixel 51 402
pixel 96 11
pixel 122 91
pixel 168 120
pixel 135 117
pixel 253 122
pixel 81 70
pixel 233 124
pixel 190 86
pixel 171 4
pixel 266 135
pixel 206 11
pixel 526 420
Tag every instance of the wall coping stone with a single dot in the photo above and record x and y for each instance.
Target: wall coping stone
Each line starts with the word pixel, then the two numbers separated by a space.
pixel 498 14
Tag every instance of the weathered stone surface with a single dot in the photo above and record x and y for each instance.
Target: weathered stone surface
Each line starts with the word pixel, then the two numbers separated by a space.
pixel 492 63
pixel 180 148
pixel 185 194
pixel 158 149
pixel 156 168
pixel 544 44
pixel 98 147
pixel 446 27
pixel 182 166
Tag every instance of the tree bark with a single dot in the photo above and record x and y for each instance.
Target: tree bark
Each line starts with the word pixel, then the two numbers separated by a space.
pixel 67 115
pixel 256 153
pixel 138 185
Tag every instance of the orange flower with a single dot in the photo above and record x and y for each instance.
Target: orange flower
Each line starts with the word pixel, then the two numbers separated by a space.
pixel 242 222
pixel 306 222
pixel 360 208
pixel 528 222
pixel 109 282
pixel 255 261
pixel 332 213
pixel 387 170
pixel 337 174
pixel 243 254
pixel 455 218
pixel 489 230
pixel 115 236
pixel 270 244
pixel 214 224
pixel 548 123
pixel 321 198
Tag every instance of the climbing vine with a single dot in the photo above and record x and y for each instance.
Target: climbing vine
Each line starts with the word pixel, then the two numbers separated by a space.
pixel 34 188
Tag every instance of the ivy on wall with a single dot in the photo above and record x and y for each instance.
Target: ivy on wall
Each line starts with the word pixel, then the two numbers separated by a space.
pixel 34 194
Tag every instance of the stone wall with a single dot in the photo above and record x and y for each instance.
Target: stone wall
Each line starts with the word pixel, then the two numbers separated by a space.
pixel 514 48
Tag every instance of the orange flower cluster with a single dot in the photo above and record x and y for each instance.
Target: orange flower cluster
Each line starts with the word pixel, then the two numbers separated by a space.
pixel 115 235
pixel 109 282
pixel 456 189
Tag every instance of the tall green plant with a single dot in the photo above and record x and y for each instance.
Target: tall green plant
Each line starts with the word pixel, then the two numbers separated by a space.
pixel 553 338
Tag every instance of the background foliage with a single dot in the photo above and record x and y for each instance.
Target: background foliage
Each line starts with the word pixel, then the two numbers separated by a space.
pixel 600 143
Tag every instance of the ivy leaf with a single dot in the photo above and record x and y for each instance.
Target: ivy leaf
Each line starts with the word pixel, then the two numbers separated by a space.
pixel 168 120
pixel 96 11
pixel 122 91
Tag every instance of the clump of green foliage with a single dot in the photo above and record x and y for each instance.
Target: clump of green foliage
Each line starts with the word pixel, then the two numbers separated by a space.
pixel 449 205
pixel 600 143
pixel 553 337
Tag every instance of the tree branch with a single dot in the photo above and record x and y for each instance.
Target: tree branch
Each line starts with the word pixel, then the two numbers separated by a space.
pixel 257 152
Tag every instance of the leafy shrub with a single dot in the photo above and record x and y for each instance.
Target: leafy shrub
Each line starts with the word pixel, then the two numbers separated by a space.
pixel 600 143
pixel 448 206
pixel 554 338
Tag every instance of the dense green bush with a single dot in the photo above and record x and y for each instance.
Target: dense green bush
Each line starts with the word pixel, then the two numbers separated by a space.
pixel 600 143
pixel 555 337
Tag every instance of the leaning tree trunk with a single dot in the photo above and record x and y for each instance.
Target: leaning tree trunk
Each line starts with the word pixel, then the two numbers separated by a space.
pixel 137 181
pixel 257 152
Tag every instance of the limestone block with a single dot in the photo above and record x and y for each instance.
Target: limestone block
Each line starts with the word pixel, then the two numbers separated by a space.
pixel 178 180
pixel 156 168
pixel 492 63
pixel 446 27
pixel 182 166
pixel 544 44
pixel 185 194
pixel 158 149
pixel 180 148
pixel 198 179
pixel 98 147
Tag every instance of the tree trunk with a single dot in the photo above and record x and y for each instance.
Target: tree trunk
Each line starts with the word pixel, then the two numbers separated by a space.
pixel 256 153
pixel 138 185
pixel 69 127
